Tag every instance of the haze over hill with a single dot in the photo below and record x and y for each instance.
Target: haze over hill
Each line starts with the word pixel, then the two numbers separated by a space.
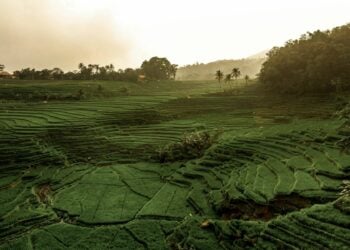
pixel 62 33
pixel 261 54
pixel 205 71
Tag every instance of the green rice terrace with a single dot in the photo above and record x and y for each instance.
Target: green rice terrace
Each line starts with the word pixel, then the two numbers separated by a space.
pixel 171 165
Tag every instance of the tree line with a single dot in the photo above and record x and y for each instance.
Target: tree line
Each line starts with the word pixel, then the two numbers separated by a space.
pixel 156 68
pixel 316 62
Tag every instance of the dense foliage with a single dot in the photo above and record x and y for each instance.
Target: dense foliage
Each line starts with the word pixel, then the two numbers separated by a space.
pixel 191 146
pixel 158 68
pixel 154 69
pixel 317 62
pixel 89 72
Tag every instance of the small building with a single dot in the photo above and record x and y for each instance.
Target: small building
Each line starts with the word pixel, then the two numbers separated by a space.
pixel 5 75
pixel 141 78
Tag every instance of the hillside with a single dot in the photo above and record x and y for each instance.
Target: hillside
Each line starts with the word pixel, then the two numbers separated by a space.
pixel 202 71
pixel 87 172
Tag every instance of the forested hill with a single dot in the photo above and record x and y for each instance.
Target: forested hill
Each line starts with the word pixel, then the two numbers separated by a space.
pixel 201 71
pixel 317 62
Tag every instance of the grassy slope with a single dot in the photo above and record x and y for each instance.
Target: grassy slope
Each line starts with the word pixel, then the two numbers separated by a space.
pixel 80 173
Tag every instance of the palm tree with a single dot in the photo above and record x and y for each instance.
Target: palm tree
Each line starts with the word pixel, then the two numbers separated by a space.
pixel 97 68
pixel 173 69
pixel 82 69
pixel 246 78
pixel 81 66
pixel 219 75
pixel 236 73
pixel 89 71
pixel 228 78
pixel 111 67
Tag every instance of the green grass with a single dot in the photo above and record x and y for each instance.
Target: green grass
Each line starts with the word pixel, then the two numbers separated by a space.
pixel 269 181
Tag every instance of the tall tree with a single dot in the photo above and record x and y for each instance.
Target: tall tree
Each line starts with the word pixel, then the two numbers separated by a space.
pixel 173 70
pixel 57 73
pixel 246 78
pixel 97 69
pixel 81 66
pixel 103 71
pixel 236 73
pixel 111 67
pixel 219 75
pixel 44 74
pixel 85 72
pixel 158 68
pixel 228 78
pixel 2 67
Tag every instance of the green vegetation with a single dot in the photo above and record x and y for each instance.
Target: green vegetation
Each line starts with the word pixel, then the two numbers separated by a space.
pixel 191 146
pixel 159 69
pixel 317 62
pixel 219 75
pixel 246 79
pixel 228 78
pixel 235 73
pixel 154 69
pixel 165 164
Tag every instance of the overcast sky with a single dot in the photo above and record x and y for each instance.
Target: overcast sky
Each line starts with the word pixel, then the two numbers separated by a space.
pixel 49 33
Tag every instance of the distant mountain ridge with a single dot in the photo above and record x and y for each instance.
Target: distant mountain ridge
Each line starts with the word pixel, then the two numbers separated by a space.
pixel 261 54
pixel 206 71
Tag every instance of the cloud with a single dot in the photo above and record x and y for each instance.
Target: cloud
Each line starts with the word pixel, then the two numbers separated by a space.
pixel 50 33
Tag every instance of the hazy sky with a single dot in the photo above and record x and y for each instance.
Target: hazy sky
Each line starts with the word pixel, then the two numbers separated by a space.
pixel 49 33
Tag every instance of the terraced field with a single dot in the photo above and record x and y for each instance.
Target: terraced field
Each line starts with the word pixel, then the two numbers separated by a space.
pixel 80 168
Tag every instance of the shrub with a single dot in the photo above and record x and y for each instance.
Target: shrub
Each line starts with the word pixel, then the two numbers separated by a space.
pixel 124 91
pixel 343 202
pixel 192 145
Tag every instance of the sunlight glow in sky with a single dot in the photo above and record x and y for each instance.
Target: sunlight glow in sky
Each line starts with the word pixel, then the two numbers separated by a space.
pixel 48 33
